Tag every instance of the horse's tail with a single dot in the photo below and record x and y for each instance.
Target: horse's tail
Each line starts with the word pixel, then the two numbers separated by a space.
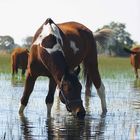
pixel 87 78
pixel 129 51
pixel 90 63
pixel 104 35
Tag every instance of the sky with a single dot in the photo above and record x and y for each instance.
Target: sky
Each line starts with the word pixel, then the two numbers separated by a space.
pixel 21 18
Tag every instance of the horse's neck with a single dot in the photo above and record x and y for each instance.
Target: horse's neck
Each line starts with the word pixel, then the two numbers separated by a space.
pixel 58 66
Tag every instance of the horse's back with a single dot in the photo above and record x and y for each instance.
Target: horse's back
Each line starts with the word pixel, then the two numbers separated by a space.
pixel 20 56
pixel 80 40
pixel 73 28
pixel 135 49
pixel 135 59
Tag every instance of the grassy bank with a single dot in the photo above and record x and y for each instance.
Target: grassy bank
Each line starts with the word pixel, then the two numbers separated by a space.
pixel 108 66
pixel 5 63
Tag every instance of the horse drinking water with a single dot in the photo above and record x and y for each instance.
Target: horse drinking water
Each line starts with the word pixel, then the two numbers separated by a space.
pixel 19 60
pixel 55 51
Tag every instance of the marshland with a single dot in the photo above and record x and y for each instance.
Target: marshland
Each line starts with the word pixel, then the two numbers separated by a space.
pixel 123 102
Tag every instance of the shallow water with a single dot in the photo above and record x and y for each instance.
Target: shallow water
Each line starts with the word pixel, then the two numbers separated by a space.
pixel 122 121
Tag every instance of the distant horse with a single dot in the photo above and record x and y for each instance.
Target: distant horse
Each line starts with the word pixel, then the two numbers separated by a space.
pixel 19 60
pixel 55 51
pixel 134 58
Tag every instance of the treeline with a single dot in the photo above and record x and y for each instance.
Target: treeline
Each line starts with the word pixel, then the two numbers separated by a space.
pixel 7 43
pixel 120 39
pixel 114 46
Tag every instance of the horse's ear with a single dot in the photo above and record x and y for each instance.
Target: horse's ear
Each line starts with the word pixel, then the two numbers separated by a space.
pixel 27 50
pixel 49 20
pixel 77 70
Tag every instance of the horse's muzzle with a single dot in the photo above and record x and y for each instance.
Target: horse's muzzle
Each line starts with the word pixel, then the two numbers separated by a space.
pixel 81 115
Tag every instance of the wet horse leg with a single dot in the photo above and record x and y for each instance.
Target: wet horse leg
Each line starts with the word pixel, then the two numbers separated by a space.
pixel 88 86
pixel 136 72
pixel 93 72
pixel 50 97
pixel 29 85
pixel 100 88
pixel 13 70
pixel 23 71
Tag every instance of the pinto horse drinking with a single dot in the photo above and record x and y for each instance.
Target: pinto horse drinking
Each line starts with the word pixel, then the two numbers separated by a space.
pixel 55 51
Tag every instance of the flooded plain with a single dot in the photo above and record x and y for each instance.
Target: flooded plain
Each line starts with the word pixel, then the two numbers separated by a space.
pixel 122 121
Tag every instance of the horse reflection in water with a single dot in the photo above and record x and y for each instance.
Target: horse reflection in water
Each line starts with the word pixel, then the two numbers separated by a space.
pixel 57 49
pixel 26 128
pixel 72 129
pixel 63 129
pixel 18 81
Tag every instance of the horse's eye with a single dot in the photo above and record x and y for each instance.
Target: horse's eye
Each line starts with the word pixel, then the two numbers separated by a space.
pixel 66 86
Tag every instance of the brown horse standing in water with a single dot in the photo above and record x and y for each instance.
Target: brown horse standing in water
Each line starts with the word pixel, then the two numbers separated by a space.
pixel 56 50
pixel 19 60
pixel 134 58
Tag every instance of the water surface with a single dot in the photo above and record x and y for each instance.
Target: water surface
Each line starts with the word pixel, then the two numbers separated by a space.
pixel 121 122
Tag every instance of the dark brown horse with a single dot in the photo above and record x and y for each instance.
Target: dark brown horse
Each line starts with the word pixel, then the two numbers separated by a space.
pixel 19 60
pixel 134 58
pixel 56 50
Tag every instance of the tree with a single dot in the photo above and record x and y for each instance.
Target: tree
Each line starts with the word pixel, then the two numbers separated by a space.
pixel 27 41
pixel 121 39
pixel 6 43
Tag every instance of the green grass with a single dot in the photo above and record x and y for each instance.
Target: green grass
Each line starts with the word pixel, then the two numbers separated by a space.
pixel 109 67
pixel 5 63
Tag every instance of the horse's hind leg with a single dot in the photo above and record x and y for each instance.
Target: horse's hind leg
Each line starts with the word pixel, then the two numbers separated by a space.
pixel 29 85
pixel 100 89
pixel 50 97
pixel 93 72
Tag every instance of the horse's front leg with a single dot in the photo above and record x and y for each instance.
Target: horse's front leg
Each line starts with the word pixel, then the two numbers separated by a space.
pixel 23 71
pixel 50 97
pixel 136 72
pixel 88 86
pixel 29 85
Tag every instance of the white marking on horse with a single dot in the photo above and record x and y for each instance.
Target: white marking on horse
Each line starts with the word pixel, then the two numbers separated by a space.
pixel 73 46
pixel 55 48
pixel 101 93
pixel 47 30
pixel 21 109
pixel 55 32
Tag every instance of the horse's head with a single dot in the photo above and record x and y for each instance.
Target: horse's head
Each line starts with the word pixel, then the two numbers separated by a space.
pixel 70 94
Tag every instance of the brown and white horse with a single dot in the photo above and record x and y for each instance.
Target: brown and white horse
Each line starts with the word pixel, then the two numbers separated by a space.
pixel 56 50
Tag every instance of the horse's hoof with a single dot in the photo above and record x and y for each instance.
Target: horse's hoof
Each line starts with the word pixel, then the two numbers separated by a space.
pixel 21 110
pixel 21 114
pixel 104 113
